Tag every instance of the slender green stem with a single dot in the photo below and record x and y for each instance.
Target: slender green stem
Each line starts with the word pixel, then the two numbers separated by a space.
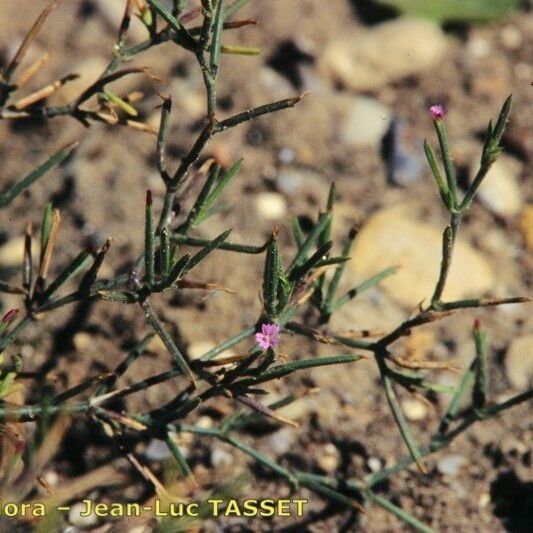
pixel 448 241
pixel 398 414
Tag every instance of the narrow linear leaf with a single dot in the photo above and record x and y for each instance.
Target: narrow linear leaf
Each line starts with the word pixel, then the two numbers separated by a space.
pixel 333 286
pixel 271 277
pixel 250 114
pixel 176 271
pixel 312 238
pixel 195 214
pixel 184 468
pixel 235 6
pixel 218 22
pixel 30 36
pixel 481 385
pixel 217 190
pixel 22 185
pixel 398 512
pixel 240 50
pixel 399 417
pixel 45 228
pixel 149 239
pixel 298 272
pixel 288 368
pixel 185 37
pixel 374 280
pixel 206 250
pixel 70 270
pixel 169 343
pixel 441 183
pixel 89 278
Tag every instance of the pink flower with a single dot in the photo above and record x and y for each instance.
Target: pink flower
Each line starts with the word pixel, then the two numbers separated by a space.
pixel 269 336
pixel 438 111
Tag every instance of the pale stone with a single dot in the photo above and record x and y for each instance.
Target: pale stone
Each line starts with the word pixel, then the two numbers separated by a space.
pixel 519 362
pixel 451 464
pixel 394 237
pixel 484 499
pixel 76 519
pixel 414 410
pixel 220 457
pixel 511 37
pixel 157 450
pixel 205 422
pixel 374 464
pixel 500 190
pixel 82 341
pixel 12 252
pixel 282 441
pixel 365 123
pixel 270 205
pixel 382 54
pixel 329 459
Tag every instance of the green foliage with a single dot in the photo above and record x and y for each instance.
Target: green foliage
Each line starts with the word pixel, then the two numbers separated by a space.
pixel 310 281
pixel 455 10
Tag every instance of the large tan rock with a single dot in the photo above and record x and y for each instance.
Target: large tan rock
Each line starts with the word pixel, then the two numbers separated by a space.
pixel 500 190
pixel 393 237
pixel 372 58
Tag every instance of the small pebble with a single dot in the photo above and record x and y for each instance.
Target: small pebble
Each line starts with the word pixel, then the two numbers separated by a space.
pixel 82 341
pixel 286 156
pixel 290 181
pixel 405 157
pixel 282 440
pixel 478 47
pixel 365 122
pixel 519 362
pixel 76 519
pixel 157 450
pixel 511 38
pixel 484 499
pixel 374 464
pixel 205 422
pixel 329 459
pixel 220 457
pixel 27 350
pixel 12 252
pixel 450 465
pixel 414 410
pixel 270 205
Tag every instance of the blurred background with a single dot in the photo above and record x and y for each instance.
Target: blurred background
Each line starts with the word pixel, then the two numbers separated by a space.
pixel 372 69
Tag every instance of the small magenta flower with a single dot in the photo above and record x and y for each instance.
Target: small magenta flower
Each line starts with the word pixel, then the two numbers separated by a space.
pixel 438 111
pixel 268 337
